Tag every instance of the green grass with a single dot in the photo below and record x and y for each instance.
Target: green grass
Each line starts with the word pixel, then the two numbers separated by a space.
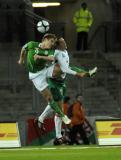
pixel 62 153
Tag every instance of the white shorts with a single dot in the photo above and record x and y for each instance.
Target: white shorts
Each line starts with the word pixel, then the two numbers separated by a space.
pixel 39 79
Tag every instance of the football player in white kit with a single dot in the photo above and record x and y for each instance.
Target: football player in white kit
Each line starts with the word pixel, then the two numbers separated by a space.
pixel 60 69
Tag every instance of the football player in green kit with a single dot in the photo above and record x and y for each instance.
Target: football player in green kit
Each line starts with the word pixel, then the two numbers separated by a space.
pixel 38 70
pixel 38 54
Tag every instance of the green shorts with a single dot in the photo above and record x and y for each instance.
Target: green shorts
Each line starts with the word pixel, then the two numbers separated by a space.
pixel 57 88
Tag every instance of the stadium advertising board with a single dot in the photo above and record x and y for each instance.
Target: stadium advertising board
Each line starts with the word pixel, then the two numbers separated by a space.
pixel 108 132
pixel 9 135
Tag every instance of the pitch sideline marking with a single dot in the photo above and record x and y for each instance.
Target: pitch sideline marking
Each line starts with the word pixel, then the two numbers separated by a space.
pixel 54 148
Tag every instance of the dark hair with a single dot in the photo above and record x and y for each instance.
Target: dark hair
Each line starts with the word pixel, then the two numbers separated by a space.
pixel 59 44
pixel 66 99
pixel 49 36
pixel 84 4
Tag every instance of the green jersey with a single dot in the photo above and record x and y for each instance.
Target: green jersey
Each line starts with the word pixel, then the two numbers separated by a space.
pixel 33 48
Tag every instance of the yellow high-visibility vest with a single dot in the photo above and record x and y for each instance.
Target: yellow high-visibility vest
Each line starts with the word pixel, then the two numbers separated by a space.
pixel 83 20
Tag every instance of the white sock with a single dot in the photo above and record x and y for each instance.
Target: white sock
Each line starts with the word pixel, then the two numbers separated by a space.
pixel 58 125
pixel 48 110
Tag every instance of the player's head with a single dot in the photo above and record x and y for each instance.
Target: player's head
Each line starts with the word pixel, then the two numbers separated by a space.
pixel 84 5
pixel 79 97
pixel 48 40
pixel 61 44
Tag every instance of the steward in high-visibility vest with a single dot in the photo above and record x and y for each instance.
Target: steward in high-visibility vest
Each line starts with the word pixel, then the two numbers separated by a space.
pixel 83 19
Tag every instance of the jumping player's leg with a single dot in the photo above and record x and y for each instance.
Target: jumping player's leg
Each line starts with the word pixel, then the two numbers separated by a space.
pixel 87 72
pixel 57 71
pixel 46 113
pixel 59 140
pixel 54 105
pixel 58 97
pixel 58 90
pixel 58 125
pixel 41 85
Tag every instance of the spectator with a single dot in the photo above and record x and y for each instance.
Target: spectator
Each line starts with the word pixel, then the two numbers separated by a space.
pixel 83 20
pixel 77 121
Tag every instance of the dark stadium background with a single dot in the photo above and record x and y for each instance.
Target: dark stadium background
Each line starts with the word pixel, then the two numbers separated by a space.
pixel 19 101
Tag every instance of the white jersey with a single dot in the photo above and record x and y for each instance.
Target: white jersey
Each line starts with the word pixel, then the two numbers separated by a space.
pixel 63 61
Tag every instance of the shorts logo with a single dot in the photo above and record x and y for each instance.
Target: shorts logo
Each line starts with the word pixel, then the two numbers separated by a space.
pixel 37 50
pixel 46 52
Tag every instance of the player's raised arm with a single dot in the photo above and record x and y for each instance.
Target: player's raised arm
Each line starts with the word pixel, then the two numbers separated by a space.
pixel 22 55
pixel 62 58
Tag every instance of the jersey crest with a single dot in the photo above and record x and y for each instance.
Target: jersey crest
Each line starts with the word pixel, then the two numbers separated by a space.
pixel 46 53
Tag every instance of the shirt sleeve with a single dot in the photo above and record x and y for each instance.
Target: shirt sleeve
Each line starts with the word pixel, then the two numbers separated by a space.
pixel 63 62
pixel 51 53
pixel 25 46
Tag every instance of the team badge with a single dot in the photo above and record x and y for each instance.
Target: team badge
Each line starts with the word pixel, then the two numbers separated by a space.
pixel 46 52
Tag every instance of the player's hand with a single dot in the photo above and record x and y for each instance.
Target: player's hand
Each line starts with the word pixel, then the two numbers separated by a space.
pixel 36 56
pixel 20 61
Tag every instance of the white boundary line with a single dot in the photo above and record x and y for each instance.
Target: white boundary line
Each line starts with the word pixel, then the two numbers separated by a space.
pixel 54 148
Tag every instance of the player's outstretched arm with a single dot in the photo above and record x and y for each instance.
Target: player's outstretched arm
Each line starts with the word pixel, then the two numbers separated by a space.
pixel 47 58
pixel 22 56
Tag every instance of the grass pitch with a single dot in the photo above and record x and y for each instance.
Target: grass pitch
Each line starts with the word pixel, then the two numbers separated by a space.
pixel 62 153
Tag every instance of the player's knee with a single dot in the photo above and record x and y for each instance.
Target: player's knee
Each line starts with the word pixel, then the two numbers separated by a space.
pixel 49 98
pixel 57 115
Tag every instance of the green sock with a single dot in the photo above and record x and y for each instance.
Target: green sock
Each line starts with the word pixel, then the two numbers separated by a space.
pixel 54 105
pixel 79 69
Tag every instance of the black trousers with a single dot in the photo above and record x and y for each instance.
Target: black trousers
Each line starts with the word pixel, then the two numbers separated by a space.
pixel 73 134
pixel 82 40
